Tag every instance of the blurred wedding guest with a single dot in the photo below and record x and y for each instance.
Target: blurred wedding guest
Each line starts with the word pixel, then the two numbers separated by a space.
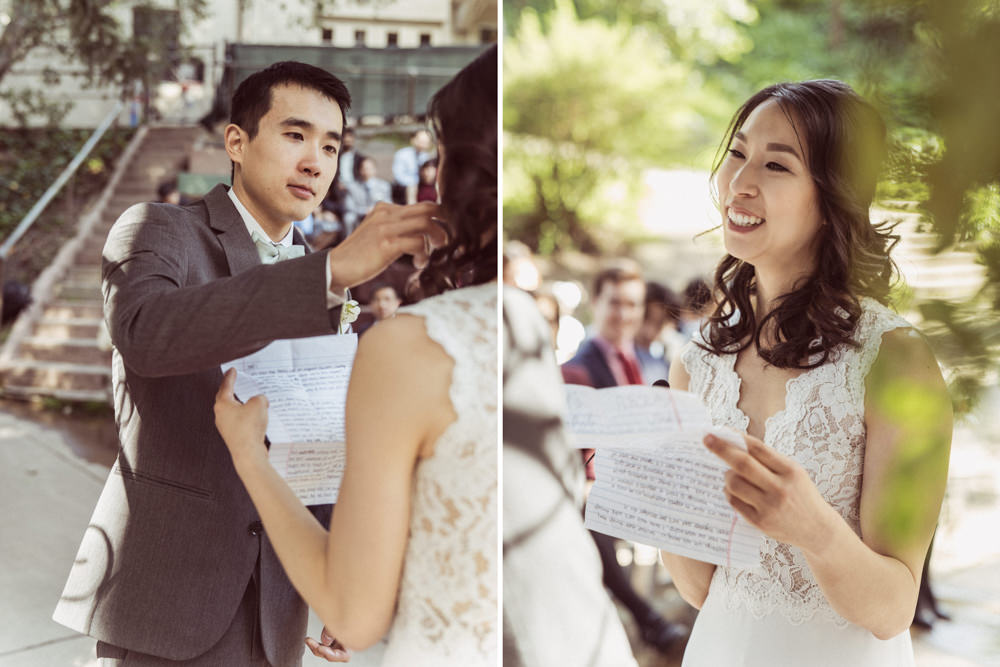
pixel 306 225
pixel 555 610
pixel 384 303
pixel 608 359
pixel 406 166
pixel 167 192
pixel 548 306
pixel 16 297
pixel 364 193
pixel 346 158
pixel 661 313
pixel 519 268
pixel 427 190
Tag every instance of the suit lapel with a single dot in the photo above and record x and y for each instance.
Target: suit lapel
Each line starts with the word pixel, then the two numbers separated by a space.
pixel 600 371
pixel 298 239
pixel 241 253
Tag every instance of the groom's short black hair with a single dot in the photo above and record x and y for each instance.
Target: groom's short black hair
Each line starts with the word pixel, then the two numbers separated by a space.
pixel 252 98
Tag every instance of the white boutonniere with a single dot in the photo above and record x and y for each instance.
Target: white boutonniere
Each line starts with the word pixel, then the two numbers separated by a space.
pixel 348 313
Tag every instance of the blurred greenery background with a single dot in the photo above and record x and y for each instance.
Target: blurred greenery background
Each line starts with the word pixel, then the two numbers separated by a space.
pixel 597 91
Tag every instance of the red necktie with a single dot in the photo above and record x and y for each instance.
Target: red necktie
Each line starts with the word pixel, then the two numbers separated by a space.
pixel 632 373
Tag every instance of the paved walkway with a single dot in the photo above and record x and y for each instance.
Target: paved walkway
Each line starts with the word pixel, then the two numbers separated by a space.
pixel 48 491
pixel 47 494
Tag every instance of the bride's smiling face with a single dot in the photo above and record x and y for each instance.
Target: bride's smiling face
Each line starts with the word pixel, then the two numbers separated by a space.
pixel 769 202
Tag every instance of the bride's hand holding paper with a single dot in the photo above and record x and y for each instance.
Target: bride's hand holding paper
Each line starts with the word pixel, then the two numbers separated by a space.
pixel 241 425
pixel 773 493
pixel 655 483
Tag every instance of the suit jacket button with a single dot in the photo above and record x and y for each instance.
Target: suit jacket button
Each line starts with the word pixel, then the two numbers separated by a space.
pixel 255 528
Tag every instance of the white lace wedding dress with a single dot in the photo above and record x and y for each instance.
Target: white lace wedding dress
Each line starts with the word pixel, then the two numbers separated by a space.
pixel 446 615
pixel 775 615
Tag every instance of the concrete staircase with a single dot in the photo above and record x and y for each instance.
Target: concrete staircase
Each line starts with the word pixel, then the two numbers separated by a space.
pixel 951 275
pixel 59 347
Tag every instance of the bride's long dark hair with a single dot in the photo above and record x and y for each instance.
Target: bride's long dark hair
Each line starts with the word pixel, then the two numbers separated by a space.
pixel 464 117
pixel 845 140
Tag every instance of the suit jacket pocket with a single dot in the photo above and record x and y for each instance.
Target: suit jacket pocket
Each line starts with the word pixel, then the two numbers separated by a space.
pixel 162 482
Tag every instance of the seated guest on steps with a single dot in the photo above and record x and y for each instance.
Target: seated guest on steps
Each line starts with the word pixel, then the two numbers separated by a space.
pixel 363 193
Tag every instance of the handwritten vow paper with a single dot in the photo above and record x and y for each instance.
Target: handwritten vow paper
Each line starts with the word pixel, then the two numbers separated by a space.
pixel 656 483
pixel 305 381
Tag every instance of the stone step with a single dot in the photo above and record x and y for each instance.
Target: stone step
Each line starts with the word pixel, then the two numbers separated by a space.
pixel 92 247
pixel 137 189
pixel 129 188
pixel 178 134
pixel 118 206
pixel 84 273
pixel 67 395
pixel 167 142
pixel 101 230
pixel 76 291
pixel 944 293
pixel 142 167
pixel 64 350
pixel 151 151
pixel 68 327
pixel 40 376
pixel 953 287
pixel 955 257
pixel 944 272
pixel 89 255
pixel 169 147
pixel 60 308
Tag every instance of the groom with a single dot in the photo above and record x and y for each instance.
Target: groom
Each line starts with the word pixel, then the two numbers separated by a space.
pixel 175 567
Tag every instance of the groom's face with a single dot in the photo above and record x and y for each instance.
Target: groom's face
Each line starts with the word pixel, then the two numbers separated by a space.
pixel 286 169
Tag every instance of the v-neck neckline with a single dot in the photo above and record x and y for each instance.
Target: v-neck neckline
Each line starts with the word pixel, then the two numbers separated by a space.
pixel 738 396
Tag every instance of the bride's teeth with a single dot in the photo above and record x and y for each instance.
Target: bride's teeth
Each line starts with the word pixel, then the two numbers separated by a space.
pixel 745 220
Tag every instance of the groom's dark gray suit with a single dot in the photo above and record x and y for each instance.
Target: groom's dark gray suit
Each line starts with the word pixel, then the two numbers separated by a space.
pixel 175 540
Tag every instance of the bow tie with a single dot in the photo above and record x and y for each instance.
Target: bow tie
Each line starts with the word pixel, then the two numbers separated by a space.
pixel 271 253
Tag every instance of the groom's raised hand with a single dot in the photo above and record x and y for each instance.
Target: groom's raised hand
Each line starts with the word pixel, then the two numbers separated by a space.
pixel 328 648
pixel 385 234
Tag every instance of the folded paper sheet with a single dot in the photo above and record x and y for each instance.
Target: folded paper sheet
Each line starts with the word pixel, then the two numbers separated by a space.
pixel 656 483
pixel 305 381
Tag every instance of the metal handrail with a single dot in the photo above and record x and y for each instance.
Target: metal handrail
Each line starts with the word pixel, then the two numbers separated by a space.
pixel 66 174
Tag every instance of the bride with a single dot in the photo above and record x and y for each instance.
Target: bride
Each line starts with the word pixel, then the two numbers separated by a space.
pixel 412 543
pixel 847 418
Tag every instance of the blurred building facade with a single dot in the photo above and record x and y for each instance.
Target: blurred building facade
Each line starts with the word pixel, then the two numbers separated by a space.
pixel 184 79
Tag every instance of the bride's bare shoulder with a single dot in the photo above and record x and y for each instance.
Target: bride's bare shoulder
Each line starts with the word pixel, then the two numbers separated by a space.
pixel 404 337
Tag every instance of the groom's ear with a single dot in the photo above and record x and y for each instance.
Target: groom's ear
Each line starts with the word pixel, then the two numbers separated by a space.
pixel 236 140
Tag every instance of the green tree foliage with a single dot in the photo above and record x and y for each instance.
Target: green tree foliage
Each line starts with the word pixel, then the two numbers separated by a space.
pixel 29 161
pixel 596 90
pixel 86 32
pixel 587 105
pixel 964 201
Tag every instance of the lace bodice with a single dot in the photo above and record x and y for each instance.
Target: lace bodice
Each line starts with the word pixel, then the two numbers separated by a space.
pixel 822 427
pixel 447 609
